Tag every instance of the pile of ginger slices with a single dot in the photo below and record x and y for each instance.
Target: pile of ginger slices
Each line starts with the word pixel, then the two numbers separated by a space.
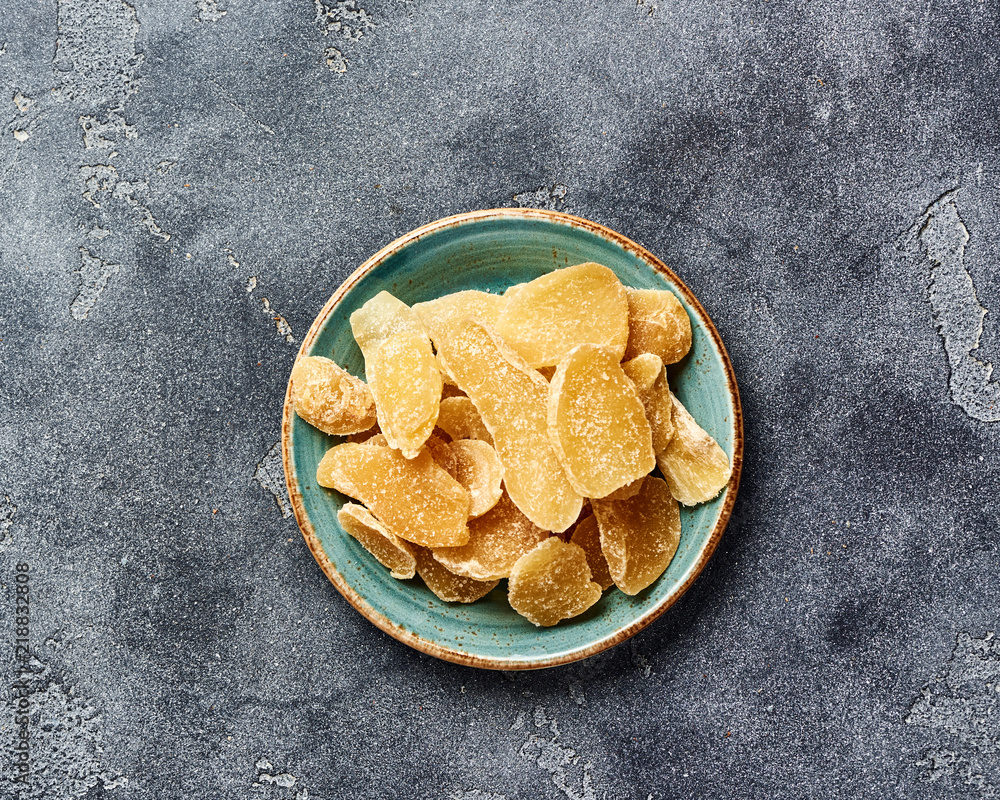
pixel 516 436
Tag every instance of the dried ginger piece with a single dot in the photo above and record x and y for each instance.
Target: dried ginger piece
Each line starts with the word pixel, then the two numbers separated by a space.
pixel 406 383
pixel 597 424
pixel 584 304
pixel 587 535
pixel 658 324
pixel 551 583
pixel 650 378
pixel 447 585
pixel 330 398
pixel 460 420
pixel 477 467
pixel 694 465
pixel 415 499
pixel 390 551
pixel 404 377
pixel 626 492
pixel 639 536
pixel 441 315
pixel 511 398
pixel 496 541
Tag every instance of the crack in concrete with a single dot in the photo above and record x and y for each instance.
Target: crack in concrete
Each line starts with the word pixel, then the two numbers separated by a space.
pixel 941 236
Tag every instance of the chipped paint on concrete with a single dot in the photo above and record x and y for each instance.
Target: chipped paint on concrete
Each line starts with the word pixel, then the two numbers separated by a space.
pixel 284 329
pixel 961 709
pixel 343 17
pixel 570 774
pixel 7 512
pixel 105 134
pixel 21 135
pixel 209 11
pixel 270 474
pixel 95 56
pixel 102 182
pixel 942 238
pixel 551 198
pixel 335 60
pixel 94 275
pixel 22 102
pixel 66 735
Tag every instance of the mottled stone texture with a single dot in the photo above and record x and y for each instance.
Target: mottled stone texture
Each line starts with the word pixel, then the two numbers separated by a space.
pixel 182 186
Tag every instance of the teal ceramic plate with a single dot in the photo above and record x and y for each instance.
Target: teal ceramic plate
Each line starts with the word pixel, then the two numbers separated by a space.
pixel 490 250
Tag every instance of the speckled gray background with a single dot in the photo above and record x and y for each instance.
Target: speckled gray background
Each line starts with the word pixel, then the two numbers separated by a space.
pixel 183 184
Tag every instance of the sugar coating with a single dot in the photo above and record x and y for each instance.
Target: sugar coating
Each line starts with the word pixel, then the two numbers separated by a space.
pixel 552 583
pixel 415 499
pixel 547 317
pixel 693 464
pixel 496 541
pixel 639 536
pixel 597 424
pixel 330 398
pixel 512 399
pixel 477 467
pixel 389 550
pixel 380 318
pixel 447 585
pixel 459 418
pixel 441 315
pixel 658 324
pixel 587 535
pixel 406 384
pixel 650 378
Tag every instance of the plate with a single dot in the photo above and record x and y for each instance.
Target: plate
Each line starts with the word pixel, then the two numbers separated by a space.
pixel 491 250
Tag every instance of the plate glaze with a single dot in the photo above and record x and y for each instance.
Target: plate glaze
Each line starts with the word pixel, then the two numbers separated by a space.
pixel 489 251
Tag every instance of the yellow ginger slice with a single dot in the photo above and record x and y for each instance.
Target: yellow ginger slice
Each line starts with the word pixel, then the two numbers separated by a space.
pixel 390 551
pixel 629 490
pixel 511 399
pixel 658 324
pixel 551 583
pixel 496 541
pixel 330 398
pixel 477 467
pixel 459 418
pixel 447 585
pixel 415 499
pixel 382 317
pixel 546 318
pixel 639 536
pixel 587 535
pixel 405 381
pixel 441 315
pixel 650 378
pixel 695 467
pixel 597 424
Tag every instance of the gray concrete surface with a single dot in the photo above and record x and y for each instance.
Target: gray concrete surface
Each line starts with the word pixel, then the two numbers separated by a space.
pixel 183 184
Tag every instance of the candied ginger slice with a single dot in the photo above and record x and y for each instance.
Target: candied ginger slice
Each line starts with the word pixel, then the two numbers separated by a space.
pixel 511 398
pixel 415 499
pixel 330 398
pixel 441 315
pixel 658 324
pixel 650 379
pixel 694 465
pixel 639 536
pixel 496 540
pixel 477 467
pixel 406 384
pixel 597 424
pixel 382 317
pixel 551 583
pixel 389 550
pixel 587 535
pixel 447 585
pixel 584 304
pixel 459 418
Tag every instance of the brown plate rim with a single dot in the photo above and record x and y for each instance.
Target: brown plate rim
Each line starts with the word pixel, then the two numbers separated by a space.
pixel 407 636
